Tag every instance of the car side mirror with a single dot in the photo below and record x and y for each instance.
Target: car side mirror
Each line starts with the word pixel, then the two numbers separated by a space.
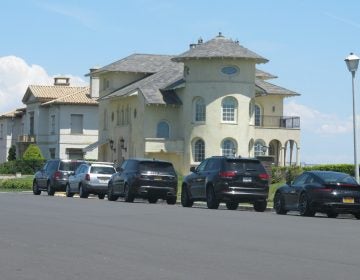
pixel 289 182
pixel 118 169
pixel 193 169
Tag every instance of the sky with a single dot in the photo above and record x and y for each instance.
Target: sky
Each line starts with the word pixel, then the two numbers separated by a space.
pixel 305 41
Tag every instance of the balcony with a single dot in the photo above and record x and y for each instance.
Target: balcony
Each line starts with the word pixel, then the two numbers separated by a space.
pixel 278 122
pixel 156 145
pixel 26 139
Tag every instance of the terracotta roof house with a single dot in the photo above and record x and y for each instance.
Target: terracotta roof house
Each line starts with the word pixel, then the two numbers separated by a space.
pixel 210 100
pixel 61 119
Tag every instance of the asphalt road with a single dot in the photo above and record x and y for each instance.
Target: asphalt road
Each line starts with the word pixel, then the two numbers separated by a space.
pixel 53 238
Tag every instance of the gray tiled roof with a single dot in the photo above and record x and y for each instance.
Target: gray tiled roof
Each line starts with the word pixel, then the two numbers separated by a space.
pixel 154 87
pixel 265 88
pixel 219 47
pixel 138 63
pixel 264 75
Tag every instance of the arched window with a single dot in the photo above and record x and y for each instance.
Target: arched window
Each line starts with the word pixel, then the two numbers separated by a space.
pixel 199 150
pixel 257 115
pixel 229 109
pixel 162 130
pixel 260 148
pixel 200 110
pixel 228 148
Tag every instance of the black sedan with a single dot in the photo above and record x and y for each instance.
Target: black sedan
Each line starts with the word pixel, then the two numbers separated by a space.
pixel 326 192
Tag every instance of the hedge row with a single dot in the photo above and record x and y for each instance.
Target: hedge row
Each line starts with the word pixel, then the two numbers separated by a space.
pixel 17 183
pixel 280 174
pixel 21 166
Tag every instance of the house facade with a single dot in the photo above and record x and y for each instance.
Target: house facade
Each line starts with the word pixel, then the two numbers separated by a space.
pixel 210 100
pixel 10 129
pixel 61 119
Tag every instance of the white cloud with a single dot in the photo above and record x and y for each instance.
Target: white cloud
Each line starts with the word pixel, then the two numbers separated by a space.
pixel 315 121
pixel 16 75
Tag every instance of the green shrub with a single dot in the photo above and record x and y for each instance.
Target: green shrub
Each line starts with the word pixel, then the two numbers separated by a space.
pixel 12 153
pixel 32 152
pixel 21 166
pixel 17 183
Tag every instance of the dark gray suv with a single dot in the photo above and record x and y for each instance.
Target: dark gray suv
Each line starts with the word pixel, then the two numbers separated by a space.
pixel 144 178
pixel 227 179
pixel 54 175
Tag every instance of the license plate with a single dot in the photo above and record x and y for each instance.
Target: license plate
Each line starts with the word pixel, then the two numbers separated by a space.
pixel 247 179
pixel 158 178
pixel 348 200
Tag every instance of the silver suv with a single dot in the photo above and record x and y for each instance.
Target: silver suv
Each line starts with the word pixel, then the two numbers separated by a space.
pixel 90 178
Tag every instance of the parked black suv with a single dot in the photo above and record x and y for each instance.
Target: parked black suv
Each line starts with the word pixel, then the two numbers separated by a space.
pixel 54 175
pixel 144 178
pixel 227 179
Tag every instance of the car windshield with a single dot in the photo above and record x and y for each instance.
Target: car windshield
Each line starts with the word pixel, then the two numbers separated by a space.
pixel 70 165
pixel 242 166
pixel 102 170
pixel 334 178
pixel 156 166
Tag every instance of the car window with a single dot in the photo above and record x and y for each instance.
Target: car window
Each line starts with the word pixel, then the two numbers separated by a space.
pixel 333 178
pixel 213 164
pixel 69 165
pixel 156 166
pixel 202 166
pixel 102 170
pixel 243 166
pixel 301 179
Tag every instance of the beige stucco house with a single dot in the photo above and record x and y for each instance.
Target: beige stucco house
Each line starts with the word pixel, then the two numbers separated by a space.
pixel 210 100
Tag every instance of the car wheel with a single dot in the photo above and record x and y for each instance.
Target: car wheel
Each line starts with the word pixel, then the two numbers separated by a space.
pixel 127 194
pixel 110 195
pixel 152 200
pixel 50 189
pixel 331 214
pixel 211 201
pixel 232 205
pixel 101 196
pixel 68 192
pixel 171 200
pixel 357 216
pixel 279 204
pixel 185 199
pixel 36 190
pixel 260 205
pixel 83 192
pixel 304 206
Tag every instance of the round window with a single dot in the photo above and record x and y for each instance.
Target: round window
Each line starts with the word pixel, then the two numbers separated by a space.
pixel 229 70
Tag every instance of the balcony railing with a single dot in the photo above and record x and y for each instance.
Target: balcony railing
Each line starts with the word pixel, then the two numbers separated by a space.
pixel 27 138
pixel 278 122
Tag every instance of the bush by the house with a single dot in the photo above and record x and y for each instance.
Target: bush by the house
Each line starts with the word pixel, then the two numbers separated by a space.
pixel 12 153
pixel 21 166
pixel 33 152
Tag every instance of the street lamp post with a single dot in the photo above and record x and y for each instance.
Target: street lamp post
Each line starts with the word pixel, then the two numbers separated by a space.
pixel 352 63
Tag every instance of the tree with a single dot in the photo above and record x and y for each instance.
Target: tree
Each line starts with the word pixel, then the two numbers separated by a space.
pixel 12 153
pixel 32 153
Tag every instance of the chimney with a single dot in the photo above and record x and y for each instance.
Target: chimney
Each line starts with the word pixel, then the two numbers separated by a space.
pixel 94 83
pixel 61 81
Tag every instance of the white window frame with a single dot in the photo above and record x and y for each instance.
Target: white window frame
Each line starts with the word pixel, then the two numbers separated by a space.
pixel 199 150
pixel 160 133
pixel 228 147
pixel 199 110
pixel 229 111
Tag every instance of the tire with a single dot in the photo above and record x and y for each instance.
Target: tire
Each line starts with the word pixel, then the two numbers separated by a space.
pixel 50 189
pixel 171 200
pixel 68 192
pixel 279 204
pixel 331 214
pixel 185 199
pixel 357 216
pixel 35 188
pixel 127 194
pixel 232 205
pixel 152 200
pixel 101 196
pixel 211 201
pixel 304 206
pixel 83 192
pixel 110 195
pixel 260 205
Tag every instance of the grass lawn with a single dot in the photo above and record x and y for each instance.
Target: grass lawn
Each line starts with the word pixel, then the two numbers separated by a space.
pixel 23 183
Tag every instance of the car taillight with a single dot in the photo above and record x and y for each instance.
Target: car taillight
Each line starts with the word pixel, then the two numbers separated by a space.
pixel 57 175
pixel 227 174
pixel 87 177
pixel 264 176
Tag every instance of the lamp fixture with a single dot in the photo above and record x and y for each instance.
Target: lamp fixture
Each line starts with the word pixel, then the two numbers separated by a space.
pixel 111 144
pixel 122 144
